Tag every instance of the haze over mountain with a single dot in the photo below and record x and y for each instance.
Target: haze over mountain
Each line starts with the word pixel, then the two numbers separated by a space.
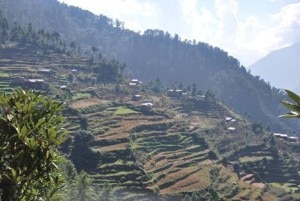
pixel 280 68
pixel 157 54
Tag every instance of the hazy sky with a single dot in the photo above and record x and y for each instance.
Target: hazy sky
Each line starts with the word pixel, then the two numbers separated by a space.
pixel 247 29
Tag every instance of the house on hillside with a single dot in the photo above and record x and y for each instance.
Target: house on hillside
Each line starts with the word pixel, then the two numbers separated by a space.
pixel 175 92
pixel 135 84
pixel 228 118
pixel 231 129
pixel 136 97
pixel 293 139
pixel 146 105
pixel 45 71
pixel 281 136
pixel 38 84
pixel 286 137
pixel 74 70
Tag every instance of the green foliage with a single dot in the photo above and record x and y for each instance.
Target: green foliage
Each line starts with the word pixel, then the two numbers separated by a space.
pixel 257 128
pixel 294 107
pixel 154 86
pixel 82 155
pixel 29 137
pixel 3 28
pixel 84 123
pixel 81 189
pixel 109 71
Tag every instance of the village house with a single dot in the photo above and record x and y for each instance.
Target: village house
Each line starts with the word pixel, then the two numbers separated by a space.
pixel 228 119
pixel 231 129
pixel 146 106
pixel 286 137
pixel 36 84
pixel 135 84
pixel 74 70
pixel 293 139
pixel 29 83
pixel 136 97
pixel 281 136
pixel 175 92
pixel 44 71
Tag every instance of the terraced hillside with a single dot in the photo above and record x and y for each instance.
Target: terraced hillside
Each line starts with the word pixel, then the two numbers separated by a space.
pixel 175 147
pixel 171 152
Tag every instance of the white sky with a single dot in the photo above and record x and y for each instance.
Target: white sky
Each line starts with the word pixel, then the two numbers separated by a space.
pixel 247 30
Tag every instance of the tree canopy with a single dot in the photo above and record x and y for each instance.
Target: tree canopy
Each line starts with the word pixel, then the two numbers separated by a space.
pixel 30 133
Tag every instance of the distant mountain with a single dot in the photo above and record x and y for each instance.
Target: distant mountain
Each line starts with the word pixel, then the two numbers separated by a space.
pixel 157 54
pixel 281 68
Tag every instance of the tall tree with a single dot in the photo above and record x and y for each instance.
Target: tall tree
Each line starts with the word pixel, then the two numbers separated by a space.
pixel 3 28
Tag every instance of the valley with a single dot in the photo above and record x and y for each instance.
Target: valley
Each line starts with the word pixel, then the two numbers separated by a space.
pixel 131 137
pixel 174 147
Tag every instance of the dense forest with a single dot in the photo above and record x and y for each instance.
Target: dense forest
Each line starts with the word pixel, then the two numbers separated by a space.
pixel 157 54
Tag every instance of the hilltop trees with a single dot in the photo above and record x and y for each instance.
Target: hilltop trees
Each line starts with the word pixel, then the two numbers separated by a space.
pixel 109 71
pixel 3 28
pixel 28 35
pixel 29 137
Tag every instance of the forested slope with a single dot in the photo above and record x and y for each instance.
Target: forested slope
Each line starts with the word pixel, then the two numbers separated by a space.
pixel 156 54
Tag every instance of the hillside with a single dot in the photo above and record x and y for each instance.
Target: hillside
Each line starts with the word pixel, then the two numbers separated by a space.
pixel 157 54
pixel 280 68
pixel 181 147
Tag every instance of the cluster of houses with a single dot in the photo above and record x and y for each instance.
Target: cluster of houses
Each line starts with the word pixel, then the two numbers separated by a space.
pixel 135 85
pixel 29 83
pixel 230 120
pixel 37 83
pixel 281 136
pixel 176 93
pixel 286 137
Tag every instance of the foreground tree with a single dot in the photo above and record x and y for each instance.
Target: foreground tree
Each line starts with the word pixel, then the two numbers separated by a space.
pixel 29 137
pixel 294 107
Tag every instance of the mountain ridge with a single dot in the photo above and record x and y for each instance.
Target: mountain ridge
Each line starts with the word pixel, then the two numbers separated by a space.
pixel 157 54
pixel 280 67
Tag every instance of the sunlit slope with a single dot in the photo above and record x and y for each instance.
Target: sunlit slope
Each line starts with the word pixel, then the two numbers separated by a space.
pixel 171 152
pixel 178 147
